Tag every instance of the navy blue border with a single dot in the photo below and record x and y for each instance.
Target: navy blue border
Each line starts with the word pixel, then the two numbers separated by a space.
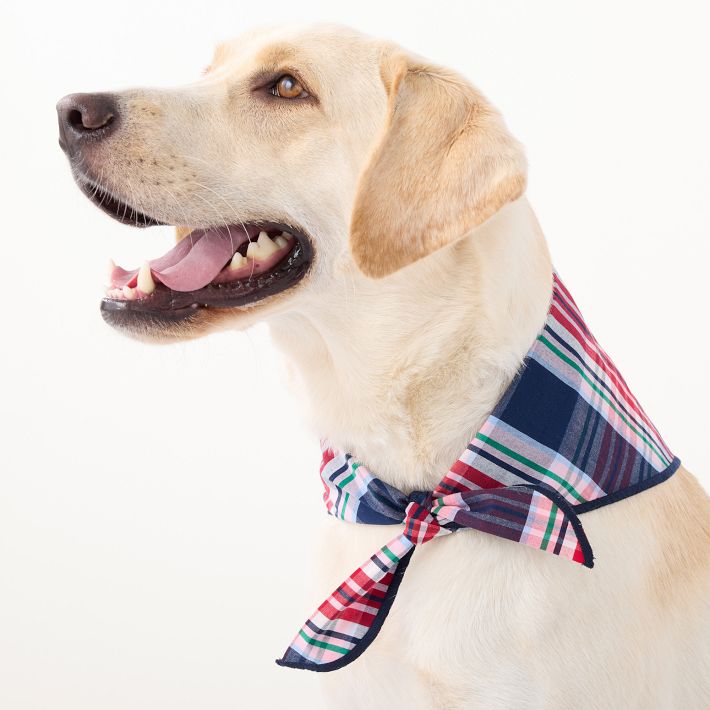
pixel 369 636
pixel 637 487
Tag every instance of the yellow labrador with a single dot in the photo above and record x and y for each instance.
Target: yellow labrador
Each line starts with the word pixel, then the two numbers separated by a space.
pixel 371 208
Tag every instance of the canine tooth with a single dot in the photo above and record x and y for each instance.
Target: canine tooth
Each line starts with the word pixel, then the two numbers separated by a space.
pixel 237 261
pixel 281 241
pixel 253 251
pixel 266 246
pixel 145 279
pixel 129 293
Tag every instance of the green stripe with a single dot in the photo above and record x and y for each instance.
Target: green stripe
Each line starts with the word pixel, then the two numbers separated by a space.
pixel 341 485
pixel 530 464
pixel 390 554
pixel 345 481
pixel 322 644
pixel 344 507
pixel 550 525
pixel 574 365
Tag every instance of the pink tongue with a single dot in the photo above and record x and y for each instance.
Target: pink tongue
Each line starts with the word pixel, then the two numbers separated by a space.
pixel 176 254
pixel 192 263
pixel 211 251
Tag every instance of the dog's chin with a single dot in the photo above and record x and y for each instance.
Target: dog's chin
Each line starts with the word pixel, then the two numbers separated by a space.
pixel 216 274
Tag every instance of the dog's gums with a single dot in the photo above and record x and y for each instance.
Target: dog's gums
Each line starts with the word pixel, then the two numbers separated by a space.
pixel 229 266
pixel 226 267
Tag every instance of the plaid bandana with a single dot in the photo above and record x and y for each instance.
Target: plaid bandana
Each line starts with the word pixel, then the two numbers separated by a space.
pixel 566 437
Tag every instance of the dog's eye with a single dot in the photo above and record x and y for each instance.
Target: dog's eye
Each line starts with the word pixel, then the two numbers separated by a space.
pixel 288 87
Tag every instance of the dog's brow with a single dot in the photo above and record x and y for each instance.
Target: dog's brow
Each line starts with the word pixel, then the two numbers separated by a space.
pixel 276 54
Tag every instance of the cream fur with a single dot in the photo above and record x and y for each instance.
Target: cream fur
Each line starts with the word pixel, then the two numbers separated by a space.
pixel 401 370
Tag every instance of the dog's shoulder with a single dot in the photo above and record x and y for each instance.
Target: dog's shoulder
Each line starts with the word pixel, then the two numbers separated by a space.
pixel 679 511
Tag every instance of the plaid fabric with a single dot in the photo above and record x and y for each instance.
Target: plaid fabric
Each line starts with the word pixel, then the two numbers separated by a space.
pixel 566 437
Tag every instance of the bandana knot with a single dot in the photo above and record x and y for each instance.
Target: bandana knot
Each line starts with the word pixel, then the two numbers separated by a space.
pixel 565 438
pixel 421 523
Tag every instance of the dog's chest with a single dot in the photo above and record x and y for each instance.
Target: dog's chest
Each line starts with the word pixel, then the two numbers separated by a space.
pixel 464 605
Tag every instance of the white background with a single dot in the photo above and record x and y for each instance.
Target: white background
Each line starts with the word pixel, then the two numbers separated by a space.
pixel 158 506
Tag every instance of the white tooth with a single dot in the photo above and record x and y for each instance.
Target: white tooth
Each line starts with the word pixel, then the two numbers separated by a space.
pixel 145 279
pixel 237 261
pixel 281 241
pixel 253 251
pixel 266 246
pixel 129 293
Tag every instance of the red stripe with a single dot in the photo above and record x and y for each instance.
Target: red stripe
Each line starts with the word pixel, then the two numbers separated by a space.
pixel 560 287
pixel 357 616
pixel 348 598
pixel 478 478
pixel 597 354
pixel 578 555
pixel 328 456
pixel 606 360
pixel 607 367
pixel 361 578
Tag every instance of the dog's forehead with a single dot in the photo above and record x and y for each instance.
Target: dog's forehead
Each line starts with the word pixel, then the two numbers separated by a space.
pixel 319 46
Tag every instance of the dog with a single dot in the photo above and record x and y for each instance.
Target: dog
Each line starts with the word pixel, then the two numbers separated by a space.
pixel 370 206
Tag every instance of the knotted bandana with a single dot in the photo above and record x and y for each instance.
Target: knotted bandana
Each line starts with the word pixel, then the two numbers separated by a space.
pixel 566 437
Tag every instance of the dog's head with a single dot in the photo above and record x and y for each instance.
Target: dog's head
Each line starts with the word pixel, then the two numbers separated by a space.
pixel 301 155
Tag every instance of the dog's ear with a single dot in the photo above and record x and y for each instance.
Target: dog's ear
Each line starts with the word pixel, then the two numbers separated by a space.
pixel 445 164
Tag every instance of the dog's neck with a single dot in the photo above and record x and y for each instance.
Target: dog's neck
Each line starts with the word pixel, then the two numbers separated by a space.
pixel 401 372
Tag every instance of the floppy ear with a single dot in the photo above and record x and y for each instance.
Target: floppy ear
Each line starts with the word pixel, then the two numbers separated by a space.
pixel 445 164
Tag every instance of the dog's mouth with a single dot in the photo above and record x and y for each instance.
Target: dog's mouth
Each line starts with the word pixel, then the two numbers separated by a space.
pixel 225 266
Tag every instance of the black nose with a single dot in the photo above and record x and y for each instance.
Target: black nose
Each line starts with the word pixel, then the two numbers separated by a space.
pixel 84 117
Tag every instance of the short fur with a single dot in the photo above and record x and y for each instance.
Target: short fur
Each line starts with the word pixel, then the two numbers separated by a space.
pixel 403 171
